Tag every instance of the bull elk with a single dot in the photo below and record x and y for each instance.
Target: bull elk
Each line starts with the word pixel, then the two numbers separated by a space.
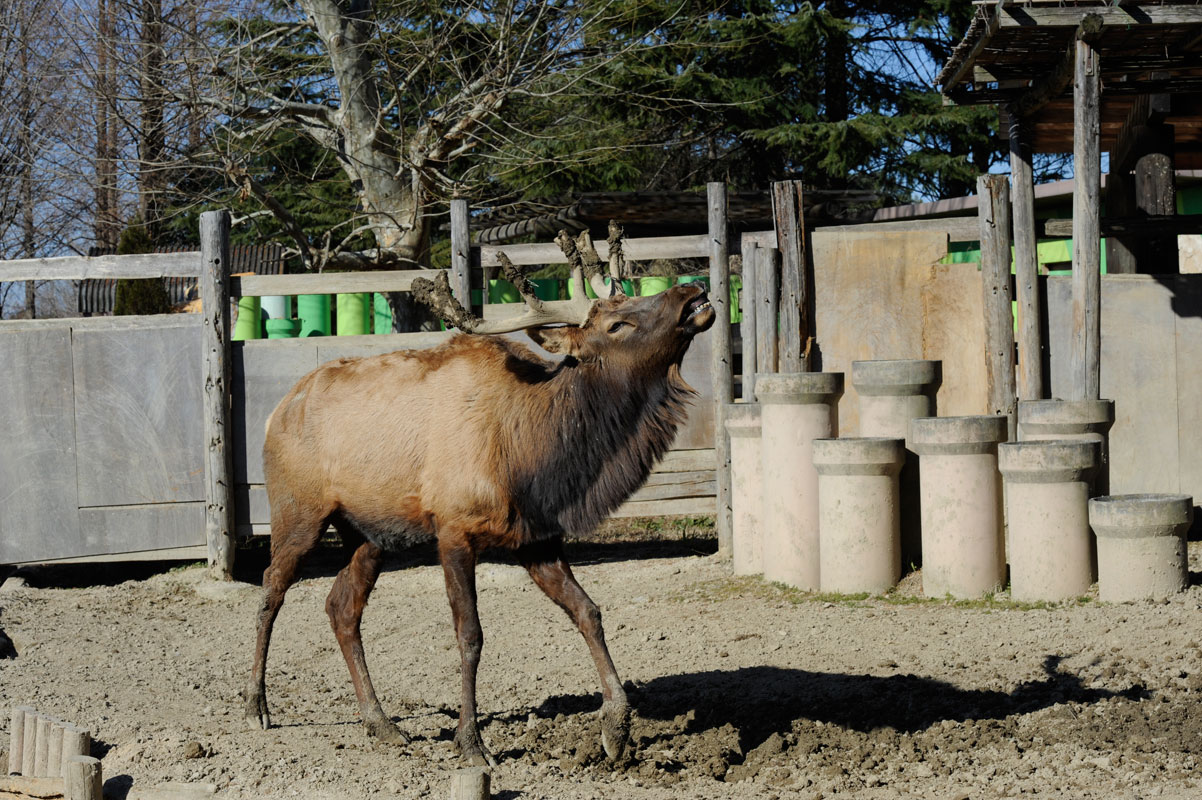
pixel 478 443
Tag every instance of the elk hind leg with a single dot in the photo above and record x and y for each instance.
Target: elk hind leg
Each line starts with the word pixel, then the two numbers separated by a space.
pixel 344 605
pixel 459 570
pixel 551 573
pixel 293 536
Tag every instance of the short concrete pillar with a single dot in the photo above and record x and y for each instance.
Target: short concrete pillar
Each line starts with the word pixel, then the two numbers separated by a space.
pixel 962 545
pixel 1047 491
pixel 859 526
pixel 1141 545
pixel 746 481
pixel 797 408
pixel 1088 420
pixel 891 394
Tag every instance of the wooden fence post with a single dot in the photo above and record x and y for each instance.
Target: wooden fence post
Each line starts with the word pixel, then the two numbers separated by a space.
pixel 215 299
pixel 723 373
pixel 82 777
pixel 993 210
pixel 1026 264
pixel 1087 254
pixel 795 330
pixel 461 252
pixel 767 325
pixel 747 326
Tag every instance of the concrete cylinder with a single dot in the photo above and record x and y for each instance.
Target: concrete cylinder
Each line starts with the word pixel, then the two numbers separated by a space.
pixel 858 520
pixel 746 480
pixel 1087 420
pixel 1047 489
pixel 1141 545
pixel 962 546
pixel 891 394
pixel 797 408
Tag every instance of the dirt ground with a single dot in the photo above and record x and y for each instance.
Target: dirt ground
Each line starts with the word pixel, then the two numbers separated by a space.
pixel 741 688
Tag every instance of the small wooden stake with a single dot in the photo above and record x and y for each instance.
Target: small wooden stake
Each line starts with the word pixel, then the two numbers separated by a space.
pixel 29 742
pixel 472 783
pixel 54 749
pixel 16 739
pixel 41 751
pixel 83 778
pixel 76 742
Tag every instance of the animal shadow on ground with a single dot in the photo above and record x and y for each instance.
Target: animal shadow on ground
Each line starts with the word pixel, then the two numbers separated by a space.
pixel 761 701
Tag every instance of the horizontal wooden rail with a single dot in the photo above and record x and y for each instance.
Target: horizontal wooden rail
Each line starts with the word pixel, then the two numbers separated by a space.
pixel 326 282
pixel 73 268
pixel 646 249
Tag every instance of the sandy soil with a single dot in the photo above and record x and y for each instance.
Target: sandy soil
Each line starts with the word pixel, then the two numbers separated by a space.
pixel 741 689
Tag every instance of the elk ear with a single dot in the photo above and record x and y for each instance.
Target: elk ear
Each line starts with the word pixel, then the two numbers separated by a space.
pixel 565 339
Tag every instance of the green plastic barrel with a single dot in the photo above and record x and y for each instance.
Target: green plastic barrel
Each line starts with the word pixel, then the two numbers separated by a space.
pixel 653 284
pixel 736 289
pixel 283 328
pixel 247 324
pixel 502 291
pixel 353 314
pixel 381 314
pixel 546 288
pixel 627 287
pixel 314 313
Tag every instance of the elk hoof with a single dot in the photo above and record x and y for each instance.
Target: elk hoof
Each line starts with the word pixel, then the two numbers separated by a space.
pixel 473 752
pixel 385 731
pixel 256 711
pixel 615 729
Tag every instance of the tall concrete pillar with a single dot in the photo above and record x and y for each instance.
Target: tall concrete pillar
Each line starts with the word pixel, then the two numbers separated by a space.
pixel 963 554
pixel 858 521
pixel 891 394
pixel 1047 489
pixel 1085 420
pixel 747 493
pixel 798 408
pixel 1141 545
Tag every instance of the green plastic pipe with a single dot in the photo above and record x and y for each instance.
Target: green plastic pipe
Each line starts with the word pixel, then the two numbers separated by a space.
pixel 314 313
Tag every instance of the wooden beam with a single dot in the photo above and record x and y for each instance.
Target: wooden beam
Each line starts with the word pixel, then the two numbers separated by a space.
pixel 993 214
pixel 1085 381
pixel 795 333
pixel 1127 16
pixel 1163 225
pixel 969 59
pixel 73 268
pixel 1026 265
pixel 326 282
pixel 218 361
pixel 767 328
pixel 1055 82
pixel 461 253
pixel 752 256
pixel 722 357
pixel 645 249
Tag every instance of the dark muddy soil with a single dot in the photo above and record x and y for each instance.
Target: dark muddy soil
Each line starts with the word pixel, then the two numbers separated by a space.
pixel 741 688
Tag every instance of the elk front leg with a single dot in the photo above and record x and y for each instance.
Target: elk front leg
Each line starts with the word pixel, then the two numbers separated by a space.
pixel 551 573
pixel 459 570
pixel 344 605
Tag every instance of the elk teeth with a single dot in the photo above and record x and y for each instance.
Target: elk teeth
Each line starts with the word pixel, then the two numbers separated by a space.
pixel 699 309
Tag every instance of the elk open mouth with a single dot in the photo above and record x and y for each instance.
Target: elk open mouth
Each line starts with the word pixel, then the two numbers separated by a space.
pixel 697 314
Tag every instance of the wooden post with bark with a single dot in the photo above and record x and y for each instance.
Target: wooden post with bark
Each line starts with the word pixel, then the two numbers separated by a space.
pixel 723 369
pixel 1026 264
pixel 215 300
pixel 993 215
pixel 461 252
pixel 767 296
pixel 751 265
pixel 1085 383
pixel 795 334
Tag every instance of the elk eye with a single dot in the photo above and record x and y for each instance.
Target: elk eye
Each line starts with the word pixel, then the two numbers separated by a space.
pixel 617 326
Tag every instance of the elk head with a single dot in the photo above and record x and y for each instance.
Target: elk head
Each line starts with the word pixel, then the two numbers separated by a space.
pixel 614 329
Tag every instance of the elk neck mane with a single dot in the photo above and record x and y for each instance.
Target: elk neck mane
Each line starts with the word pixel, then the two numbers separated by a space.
pixel 583 437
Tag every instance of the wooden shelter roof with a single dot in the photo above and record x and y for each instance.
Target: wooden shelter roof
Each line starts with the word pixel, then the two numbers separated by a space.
pixel 1015 52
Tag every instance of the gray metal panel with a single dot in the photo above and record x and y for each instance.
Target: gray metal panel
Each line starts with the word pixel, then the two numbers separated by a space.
pixel 125 529
pixel 38 516
pixel 263 374
pixel 138 416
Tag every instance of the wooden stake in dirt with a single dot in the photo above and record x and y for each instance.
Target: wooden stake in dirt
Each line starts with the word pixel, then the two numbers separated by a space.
pixel 83 778
pixel 472 783
pixel 76 743
pixel 29 742
pixel 54 750
pixel 41 753
pixel 16 739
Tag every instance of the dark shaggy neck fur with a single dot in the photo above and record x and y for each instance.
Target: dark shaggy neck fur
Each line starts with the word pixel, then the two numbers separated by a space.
pixel 604 430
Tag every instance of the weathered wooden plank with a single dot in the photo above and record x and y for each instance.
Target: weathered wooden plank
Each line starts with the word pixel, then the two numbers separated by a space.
pixel 1087 254
pixel 327 282
pixel 993 210
pixel 795 289
pixel 1171 224
pixel 662 486
pixel 262 376
pixel 461 253
pixel 645 249
pixel 192 553
pixel 767 296
pixel 958 229
pixel 157 526
pixel 663 508
pixel 135 323
pixel 71 268
pixel 721 357
pixel 1026 264
pixel 139 416
pixel 1127 16
pixel 686 461
pixel 752 256
pixel 38 511
pixel 218 444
